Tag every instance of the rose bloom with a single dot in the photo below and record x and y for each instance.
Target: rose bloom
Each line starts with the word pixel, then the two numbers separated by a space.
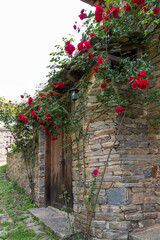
pixel 69 49
pixel 30 99
pixel 134 84
pixel 119 109
pixel 127 8
pixel 115 14
pixel 47 115
pixel 21 96
pixel 108 80
pixel 55 83
pixel 142 73
pixel 92 35
pixel 156 10
pixel 40 121
pixel 99 13
pixel 58 126
pixel 74 26
pixel 34 115
pixel 105 18
pixel 51 94
pixel 103 85
pixel 53 138
pixel 159 37
pixel 20 116
pixel 90 55
pixel 95 68
pixel 61 85
pixel 95 172
pixel 24 119
pixel 142 84
pixel 100 60
pixel 42 95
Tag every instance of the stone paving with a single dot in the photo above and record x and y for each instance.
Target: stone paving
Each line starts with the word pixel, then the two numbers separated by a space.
pixel 27 222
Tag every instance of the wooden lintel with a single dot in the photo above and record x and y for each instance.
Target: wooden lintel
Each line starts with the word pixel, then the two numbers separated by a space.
pixel 114 59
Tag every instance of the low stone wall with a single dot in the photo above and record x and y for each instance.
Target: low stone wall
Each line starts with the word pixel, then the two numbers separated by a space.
pixel 6 140
pixel 16 171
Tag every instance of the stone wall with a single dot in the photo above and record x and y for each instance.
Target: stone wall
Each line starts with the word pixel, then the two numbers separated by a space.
pixel 6 140
pixel 16 171
pixel 129 198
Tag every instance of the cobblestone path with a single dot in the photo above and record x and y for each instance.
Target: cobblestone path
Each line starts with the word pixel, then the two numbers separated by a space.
pixel 16 223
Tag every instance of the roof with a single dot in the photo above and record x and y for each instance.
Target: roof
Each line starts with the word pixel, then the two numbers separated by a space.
pixel 93 2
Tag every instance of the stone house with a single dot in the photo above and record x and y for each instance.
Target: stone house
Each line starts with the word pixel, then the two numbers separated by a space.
pixel 129 198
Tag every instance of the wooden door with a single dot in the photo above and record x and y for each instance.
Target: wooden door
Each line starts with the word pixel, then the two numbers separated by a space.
pixel 59 167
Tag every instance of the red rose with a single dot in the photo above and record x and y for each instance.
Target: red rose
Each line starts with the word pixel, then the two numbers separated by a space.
pixel 108 80
pixel 90 55
pixel 82 15
pixel 95 68
pixel 87 44
pixel 74 26
pixel 30 99
pixel 42 95
pixel 82 11
pixel 156 10
pixel 51 94
pixel 100 60
pixel 47 115
pixel 9 100
pixel 130 78
pixel 115 14
pixel 20 116
pixel 95 172
pixel 61 85
pixel 142 84
pixel 103 85
pixel 53 138
pixel 142 73
pixel 21 96
pixel 99 13
pixel 105 18
pixel 58 126
pixel 24 119
pixel 159 37
pixel 127 8
pixel 67 43
pixel 43 128
pixel 92 35
pixel 69 48
pixel 119 109
pixel 143 7
pixel 116 9
pixel 55 83
pixel 40 121
pixel 39 108
pixel 34 115
pixel 134 84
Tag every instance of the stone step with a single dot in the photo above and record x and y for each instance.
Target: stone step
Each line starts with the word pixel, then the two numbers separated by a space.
pixel 54 219
pixel 152 233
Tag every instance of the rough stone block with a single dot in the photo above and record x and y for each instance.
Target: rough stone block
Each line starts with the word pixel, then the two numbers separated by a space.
pixel 118 196
pixel 138 198
pixel 133 216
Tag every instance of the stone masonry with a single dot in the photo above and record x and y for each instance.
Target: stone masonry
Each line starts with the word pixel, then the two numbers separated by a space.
pixel 16 171
pixel 6 140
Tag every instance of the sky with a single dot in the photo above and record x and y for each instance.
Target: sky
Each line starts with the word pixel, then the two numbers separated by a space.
pixel 29 29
